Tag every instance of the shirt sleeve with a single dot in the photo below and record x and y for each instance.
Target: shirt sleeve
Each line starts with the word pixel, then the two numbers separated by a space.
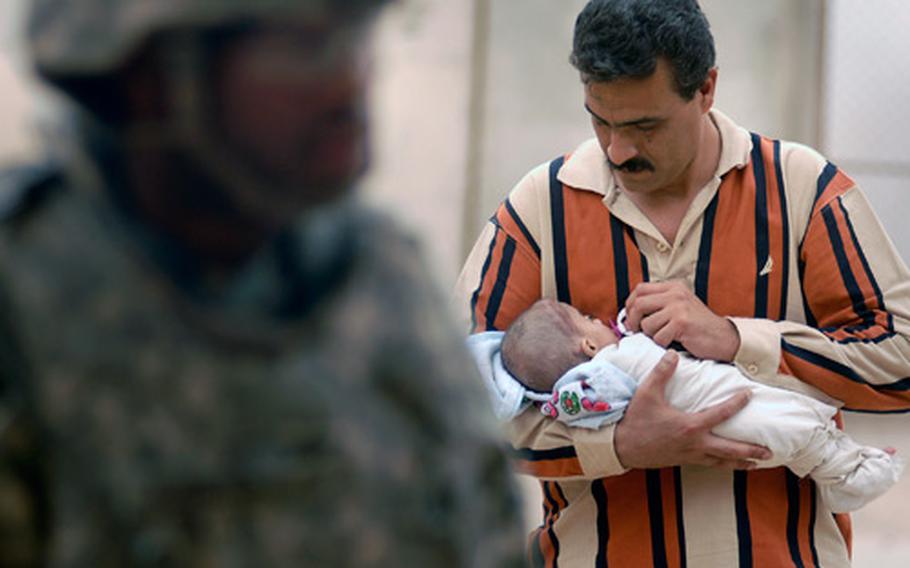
pixel 500 280
pixel 855 344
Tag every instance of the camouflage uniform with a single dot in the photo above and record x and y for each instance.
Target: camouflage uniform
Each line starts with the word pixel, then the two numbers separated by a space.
pixel 315 409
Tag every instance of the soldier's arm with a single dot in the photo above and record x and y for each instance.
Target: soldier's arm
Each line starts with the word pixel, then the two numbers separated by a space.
pixel 23 505
pixel 20 509
pixel 421 370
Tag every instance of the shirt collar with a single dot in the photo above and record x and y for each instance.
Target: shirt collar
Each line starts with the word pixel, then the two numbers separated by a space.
pixel 587 167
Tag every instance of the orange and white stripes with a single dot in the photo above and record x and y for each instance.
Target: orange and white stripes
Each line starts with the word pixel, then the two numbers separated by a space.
pixel 782 238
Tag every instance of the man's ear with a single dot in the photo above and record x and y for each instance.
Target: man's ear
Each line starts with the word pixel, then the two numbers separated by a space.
pixel 588 347
pixel 708 89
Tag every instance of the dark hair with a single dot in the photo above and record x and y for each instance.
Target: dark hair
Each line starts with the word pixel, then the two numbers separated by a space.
pixel 625 38
pixel 541 345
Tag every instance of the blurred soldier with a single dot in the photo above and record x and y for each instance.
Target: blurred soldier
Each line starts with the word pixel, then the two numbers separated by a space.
pixel 210 355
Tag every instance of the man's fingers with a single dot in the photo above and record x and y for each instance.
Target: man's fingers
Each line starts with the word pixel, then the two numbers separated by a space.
pixel 666 334
pixel 711 417
pixel 645 288
pixel 658 378
pixel 641 302
pixel 737 464
pixel 654 322
pixel 711 461
pixel 645 305
pixel 735 454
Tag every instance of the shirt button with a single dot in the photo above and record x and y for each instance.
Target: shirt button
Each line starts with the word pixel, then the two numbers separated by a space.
pixel 752 368
pixel 662 247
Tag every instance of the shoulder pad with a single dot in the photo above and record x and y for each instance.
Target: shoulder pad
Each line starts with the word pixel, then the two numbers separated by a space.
pixel 24 187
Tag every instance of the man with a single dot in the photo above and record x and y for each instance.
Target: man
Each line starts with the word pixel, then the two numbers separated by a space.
pixel 730 245
pixel 211 356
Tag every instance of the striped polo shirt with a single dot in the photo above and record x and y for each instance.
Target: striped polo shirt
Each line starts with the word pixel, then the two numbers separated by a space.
pixel 781 242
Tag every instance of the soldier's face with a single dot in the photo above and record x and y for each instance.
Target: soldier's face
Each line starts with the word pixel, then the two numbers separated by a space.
pixel 292 104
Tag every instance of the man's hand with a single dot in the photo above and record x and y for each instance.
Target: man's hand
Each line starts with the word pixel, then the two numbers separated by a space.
pixel 668 312
pixel 653 434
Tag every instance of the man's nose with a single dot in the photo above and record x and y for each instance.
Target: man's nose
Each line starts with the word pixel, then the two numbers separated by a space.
pixel 621 149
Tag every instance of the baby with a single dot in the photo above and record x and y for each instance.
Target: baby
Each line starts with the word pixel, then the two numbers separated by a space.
pixel 584 373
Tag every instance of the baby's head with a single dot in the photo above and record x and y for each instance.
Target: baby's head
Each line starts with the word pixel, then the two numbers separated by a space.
pixel 549 339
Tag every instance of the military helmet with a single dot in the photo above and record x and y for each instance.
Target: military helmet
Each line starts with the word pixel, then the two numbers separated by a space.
pixel 82 38
pixel 85 48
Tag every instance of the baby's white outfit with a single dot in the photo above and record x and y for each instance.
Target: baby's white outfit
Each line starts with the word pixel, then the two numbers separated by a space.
pixel 799 430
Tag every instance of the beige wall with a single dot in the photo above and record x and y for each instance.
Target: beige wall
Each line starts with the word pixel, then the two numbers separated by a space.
pixel 530 104
pixel 421 101
pixel 865 115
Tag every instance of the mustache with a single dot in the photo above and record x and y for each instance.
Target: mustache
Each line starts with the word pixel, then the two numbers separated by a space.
pixel 632 165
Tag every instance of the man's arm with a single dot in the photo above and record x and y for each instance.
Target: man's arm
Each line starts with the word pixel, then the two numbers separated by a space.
pixel 500 280
pixel 856 288
pixel 855 346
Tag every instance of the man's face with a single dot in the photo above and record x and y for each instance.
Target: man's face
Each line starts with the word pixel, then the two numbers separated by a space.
pixel 648 132
pixel 293 105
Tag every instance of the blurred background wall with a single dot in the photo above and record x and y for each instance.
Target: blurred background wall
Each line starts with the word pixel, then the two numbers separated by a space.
pixel 470 94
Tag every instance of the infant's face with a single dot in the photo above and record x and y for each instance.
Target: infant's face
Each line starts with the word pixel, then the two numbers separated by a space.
pixel 591 327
